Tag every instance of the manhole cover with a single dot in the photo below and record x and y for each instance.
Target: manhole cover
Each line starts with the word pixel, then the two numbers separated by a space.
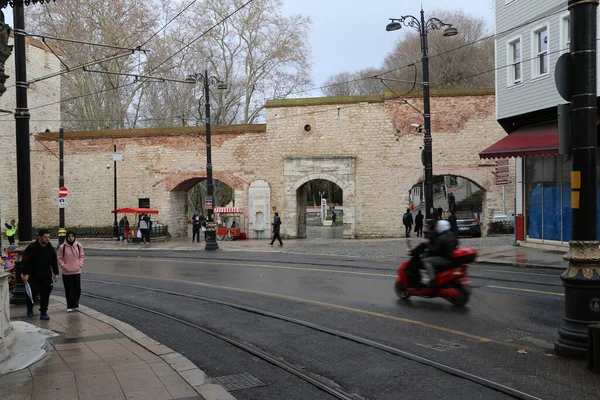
pixel 238 381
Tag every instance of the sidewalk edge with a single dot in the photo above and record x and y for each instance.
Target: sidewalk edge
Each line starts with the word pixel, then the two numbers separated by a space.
pixel 187 370
pixel 519 265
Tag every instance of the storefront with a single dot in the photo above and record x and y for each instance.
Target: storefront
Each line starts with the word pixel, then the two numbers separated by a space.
pixel 543 201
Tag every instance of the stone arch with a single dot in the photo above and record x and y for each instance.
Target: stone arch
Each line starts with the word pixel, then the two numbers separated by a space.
pixel 482 178
pixel 299 170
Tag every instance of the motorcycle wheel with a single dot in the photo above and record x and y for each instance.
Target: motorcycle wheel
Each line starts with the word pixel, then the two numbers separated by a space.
pixel 401 291
pixel 462 298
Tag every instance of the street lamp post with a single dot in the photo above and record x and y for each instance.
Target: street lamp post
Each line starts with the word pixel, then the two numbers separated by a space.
pixel 423 26
pixel 211 233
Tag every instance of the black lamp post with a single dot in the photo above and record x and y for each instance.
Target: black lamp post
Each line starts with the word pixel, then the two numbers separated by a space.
pixel 582 279
pixel 423 27
pixel 211 233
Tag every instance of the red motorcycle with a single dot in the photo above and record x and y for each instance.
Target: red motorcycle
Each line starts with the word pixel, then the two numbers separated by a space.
pixel 451 284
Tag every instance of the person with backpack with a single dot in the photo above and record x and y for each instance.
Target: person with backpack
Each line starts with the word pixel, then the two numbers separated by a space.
pixel 11 231
pixel 70 260
pixel 407 220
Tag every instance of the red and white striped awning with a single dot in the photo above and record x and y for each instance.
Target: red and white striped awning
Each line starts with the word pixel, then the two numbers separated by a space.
pixel 227 210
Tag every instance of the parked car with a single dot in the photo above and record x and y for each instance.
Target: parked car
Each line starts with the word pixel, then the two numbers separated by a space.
pixel 467 223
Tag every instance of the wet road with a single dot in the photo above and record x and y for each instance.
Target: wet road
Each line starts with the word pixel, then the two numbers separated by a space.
pixel 504 334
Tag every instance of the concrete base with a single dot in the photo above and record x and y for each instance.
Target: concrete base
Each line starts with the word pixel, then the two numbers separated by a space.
pixel 26 344
pixel 533 244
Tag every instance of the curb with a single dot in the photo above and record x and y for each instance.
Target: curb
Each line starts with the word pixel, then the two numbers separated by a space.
pixel 193 375
pixel 520 265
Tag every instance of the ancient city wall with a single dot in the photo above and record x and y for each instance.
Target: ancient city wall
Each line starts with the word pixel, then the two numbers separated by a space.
pixel 370 135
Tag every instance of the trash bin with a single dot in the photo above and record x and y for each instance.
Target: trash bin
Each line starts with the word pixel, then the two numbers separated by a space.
pixel 520 227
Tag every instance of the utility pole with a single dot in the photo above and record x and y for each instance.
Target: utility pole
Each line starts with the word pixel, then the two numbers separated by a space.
pixel 62 232
pixel 115 223
pixel 582 279
pixel 22 128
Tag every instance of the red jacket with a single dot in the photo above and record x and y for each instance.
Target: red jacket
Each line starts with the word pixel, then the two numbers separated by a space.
pixel 70 258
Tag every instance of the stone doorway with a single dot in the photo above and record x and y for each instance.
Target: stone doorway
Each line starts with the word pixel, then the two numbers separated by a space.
pixel 298 171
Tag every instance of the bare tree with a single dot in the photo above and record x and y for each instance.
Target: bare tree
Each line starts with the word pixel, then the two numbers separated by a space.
pixel 95 102
pixel 463 61
pixel 260 53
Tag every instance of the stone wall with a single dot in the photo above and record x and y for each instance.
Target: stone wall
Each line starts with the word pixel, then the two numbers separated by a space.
pixel 44 106
pixel 372 132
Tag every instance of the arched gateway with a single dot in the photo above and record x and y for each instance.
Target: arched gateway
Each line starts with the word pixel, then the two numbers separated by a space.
pixel 365 145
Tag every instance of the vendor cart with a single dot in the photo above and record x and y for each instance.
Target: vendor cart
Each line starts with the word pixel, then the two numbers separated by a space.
pixel 131 232
pixel 232 223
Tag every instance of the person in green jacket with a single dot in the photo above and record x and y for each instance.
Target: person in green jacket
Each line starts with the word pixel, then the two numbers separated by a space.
pixel 11 231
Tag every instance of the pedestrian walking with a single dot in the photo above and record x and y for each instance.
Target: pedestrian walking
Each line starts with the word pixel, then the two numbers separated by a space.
pixel 419 223
pixel 11 231
pixel 143 225
pixel 439 213
pixel 333 217
pixel 40 271
pixel 149 230
pixel 407 220
pixel 453 222
pixel 196 227
pixel 70 260
pixel 276 228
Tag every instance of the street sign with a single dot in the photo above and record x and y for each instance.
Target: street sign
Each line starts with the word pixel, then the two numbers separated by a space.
pixel 450 190
pixel 63 203
pixel 502 182
pixel 117 156
pixel 208 203
pixel 63 192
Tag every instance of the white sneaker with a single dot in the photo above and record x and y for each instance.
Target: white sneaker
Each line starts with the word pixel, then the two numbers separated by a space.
pixel 70 310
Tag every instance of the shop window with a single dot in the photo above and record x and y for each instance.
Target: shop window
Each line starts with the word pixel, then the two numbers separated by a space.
pixel 551 209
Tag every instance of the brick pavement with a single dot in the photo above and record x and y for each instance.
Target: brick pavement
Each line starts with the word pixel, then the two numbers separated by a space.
pixel 98 357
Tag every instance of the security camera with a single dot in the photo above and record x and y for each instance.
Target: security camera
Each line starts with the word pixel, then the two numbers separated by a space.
pixel 107 165
pixel 421 146
pixel 416 127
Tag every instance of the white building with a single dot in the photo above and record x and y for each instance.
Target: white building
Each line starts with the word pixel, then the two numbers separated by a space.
pixel 530 37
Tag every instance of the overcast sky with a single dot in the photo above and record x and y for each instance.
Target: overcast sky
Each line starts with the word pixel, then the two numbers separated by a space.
pixel 349 35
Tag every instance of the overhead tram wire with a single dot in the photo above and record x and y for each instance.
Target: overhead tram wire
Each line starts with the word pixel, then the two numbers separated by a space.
pixel 153 69
pixel 334 84
pixel 167 24
pixel 529 22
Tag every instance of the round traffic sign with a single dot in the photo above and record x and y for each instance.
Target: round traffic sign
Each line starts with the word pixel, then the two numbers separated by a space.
pixel 63 192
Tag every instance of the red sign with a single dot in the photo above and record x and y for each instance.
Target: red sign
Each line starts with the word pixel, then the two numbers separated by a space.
pixel 63 192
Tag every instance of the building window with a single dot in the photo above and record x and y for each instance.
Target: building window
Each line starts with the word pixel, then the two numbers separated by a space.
pixel 540 51
pixel 565 34
pixel 514 61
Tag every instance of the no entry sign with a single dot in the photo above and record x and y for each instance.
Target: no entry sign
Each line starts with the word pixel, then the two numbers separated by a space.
pixel 63 192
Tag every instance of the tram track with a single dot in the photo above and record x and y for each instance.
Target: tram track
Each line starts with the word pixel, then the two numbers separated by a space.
pixel 375 272
pixel 319 382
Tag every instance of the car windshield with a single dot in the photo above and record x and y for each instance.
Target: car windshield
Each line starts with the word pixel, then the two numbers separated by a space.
pixel 465 215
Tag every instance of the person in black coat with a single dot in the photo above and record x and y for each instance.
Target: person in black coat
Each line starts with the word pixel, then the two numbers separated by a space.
pixel 40 270
pixel 419 223
pixel 276 229
pixel 407 220
pixel 453 222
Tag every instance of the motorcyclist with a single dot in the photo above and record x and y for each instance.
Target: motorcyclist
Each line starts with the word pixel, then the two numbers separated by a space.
pixel 438 248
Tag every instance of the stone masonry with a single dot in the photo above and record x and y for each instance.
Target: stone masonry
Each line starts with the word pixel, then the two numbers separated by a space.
pixel 363 144
pixel 44 106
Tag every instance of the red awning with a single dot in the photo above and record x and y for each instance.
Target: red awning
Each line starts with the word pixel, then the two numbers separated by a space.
pixel 534 141
pixel 135 211
pixel 227 210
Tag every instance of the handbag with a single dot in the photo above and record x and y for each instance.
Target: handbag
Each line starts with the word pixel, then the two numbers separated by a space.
pixel 139 234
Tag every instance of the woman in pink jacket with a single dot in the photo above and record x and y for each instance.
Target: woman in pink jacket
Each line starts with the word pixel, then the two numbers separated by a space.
pixel 70 259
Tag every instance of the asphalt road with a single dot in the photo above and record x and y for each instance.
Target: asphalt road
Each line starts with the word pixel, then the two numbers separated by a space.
pixel 505 333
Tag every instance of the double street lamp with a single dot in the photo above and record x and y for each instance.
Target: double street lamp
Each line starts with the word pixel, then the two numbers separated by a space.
pixel 206 80
pixel 423 26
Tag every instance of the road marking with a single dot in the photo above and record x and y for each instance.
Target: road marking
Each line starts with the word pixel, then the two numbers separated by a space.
pixel 249 265
pixel 321 303
pixel 526 290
